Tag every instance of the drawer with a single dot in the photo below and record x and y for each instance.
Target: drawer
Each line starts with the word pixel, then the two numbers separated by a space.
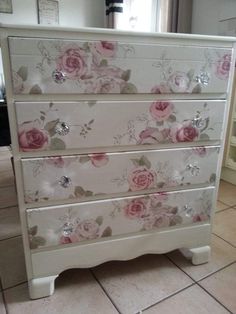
pixel 60 125
pixel 98 175
pixel 88 221
pixel 52 66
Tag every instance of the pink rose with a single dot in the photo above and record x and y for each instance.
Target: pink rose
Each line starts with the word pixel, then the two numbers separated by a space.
pixel 107 71
pixel 65 240
pixel 17 83
pixel 200 217
pixel 153 136
pixel 73 63
pixel 162 88
pixel 161 220
pixel 223 67
pixel 157 198
pixel 136 209
pixel 87 230
pixel 141 178
pixel 161 110
pixel 99 160
pixel 105 85
pixel 32 138
pixel 57 162
pixel 105 48
pixel 183 132
pixel 200 151
pixel 179 82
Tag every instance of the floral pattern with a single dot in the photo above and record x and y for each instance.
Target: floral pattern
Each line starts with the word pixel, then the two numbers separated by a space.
pixel 94 220
pixel 102 67
pixel 96 175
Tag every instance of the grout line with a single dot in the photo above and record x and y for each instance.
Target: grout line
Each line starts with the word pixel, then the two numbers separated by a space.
pixel 165 298
pixel 3 297
pixel 14 205
pixel 224 240
pixel 224 209
pixel 13 237
pixel 104 290
pixel 14 286
pixel 214 298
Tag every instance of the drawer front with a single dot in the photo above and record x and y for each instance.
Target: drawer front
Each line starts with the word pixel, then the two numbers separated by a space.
pixel 95 175
pixel 60 125
pixel 51 66
pixel 93 220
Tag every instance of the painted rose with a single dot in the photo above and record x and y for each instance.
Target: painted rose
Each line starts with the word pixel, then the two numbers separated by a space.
pixel 57 162
pixel 183 132
pixel 200 151
pixel 104 48
pixel 157 198
pixel 141 178
pixel 137 208
pixel 65 240
pixel 200 217
pixel 179 82
pixel 162 88
pixel 31 137
pixel 153 136
pixel 105 85
pixel 161 110
pixel 87 230
pixel 107 71
pixel 223 67
pixel 17 83
pixel 161 220
pixel 72 62
pixel 99 160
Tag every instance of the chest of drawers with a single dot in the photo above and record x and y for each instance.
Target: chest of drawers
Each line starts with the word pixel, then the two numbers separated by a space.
pixel 117 141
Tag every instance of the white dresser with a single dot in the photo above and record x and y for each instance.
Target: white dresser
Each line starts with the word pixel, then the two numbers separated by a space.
pixel 117 141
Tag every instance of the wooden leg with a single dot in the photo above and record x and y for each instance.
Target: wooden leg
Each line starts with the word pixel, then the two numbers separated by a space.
pixel 199 255
pixel 41 287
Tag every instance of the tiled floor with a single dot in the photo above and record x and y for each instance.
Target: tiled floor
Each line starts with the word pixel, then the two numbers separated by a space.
pixel 149 284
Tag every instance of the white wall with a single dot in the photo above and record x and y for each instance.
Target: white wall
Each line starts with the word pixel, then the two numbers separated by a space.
pixel 207 14
pixel 73 13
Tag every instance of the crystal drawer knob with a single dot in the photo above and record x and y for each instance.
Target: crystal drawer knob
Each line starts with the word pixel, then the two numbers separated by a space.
pixel 193 169
pixel 198 122
pixel 203 78
pixel 62 128
pixel 65 181
pixel 67 229
pixel 58 77
pixel 188 210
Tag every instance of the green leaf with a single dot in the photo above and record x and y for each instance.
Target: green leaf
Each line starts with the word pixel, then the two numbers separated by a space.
pixel 42 118
pixel 176 220
pixel 99 220
pixel 86 47
pixel 79 191
pixel 204 137
pixel 160 184
pixel 197 89
pixel 50 127
pixel 136 162
pixel 103 63
pixel 205 104
pixel 88 193
pixel 190 74
pixel 159 123
pixel 57 143
pixel 84 159
pixel 129 88
pixel 91 121
pixel 35 90
pixel 107 232
pixel 33 230
pixel 51 104
pixel 126 75
pixel 92 103
pixel 172 118
pixel 23 72
pixel 145 162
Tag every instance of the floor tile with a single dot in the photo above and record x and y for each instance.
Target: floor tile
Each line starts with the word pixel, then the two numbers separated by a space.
pixel 220 206
pixel 193 300
pixel 222 285
pixel 6 173
pixel 8 196
pixel 227 193
pixel 2 306
pixel 9 223
pixel 136 284
pixel 12 263
pixel 224 225
pixel 76 292
pixel 222 254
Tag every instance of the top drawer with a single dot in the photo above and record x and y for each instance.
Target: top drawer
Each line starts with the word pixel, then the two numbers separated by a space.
pixel 51 66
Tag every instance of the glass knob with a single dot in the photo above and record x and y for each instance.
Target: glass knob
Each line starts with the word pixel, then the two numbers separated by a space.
pixel 58 76
pixel 65 181
pixel 198 122
pixel 203 78
pixel 62 128
pixel 188 210
pixel 194 169
pixel 67 229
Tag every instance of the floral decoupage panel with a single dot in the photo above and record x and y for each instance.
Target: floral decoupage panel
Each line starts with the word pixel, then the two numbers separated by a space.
pixel 102 67
pixel 84 176
pixel 93 220
pixel 120 123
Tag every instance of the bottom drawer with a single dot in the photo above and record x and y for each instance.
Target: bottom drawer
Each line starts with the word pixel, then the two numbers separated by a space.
pixel 119 216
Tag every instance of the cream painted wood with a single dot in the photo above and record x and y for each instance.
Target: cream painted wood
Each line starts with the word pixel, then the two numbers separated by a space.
pixel 52 262
pixel 41 287
pixel 107 124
